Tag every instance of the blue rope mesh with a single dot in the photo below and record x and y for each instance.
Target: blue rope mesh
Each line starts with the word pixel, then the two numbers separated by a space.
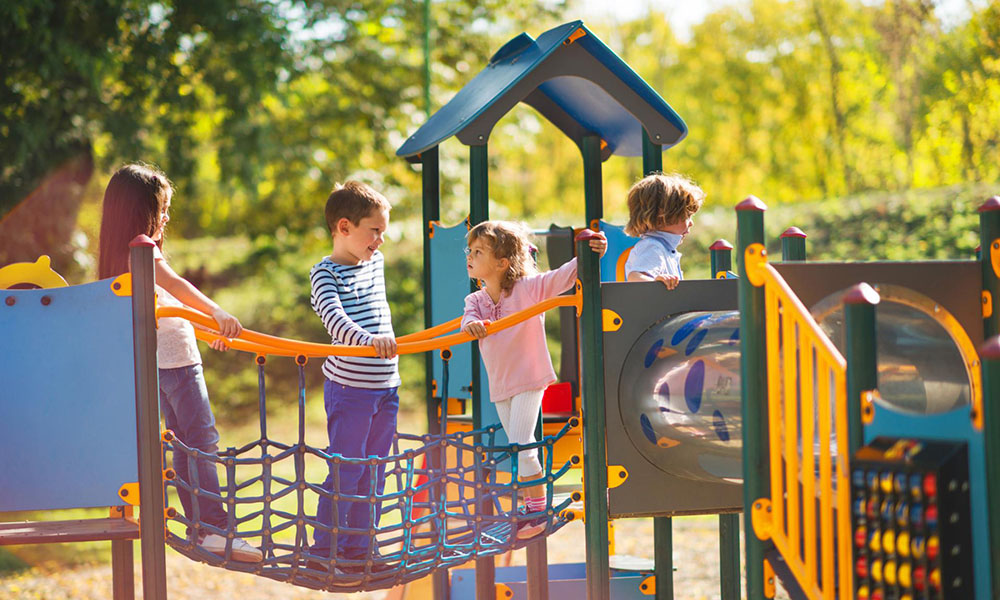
pixel 431 518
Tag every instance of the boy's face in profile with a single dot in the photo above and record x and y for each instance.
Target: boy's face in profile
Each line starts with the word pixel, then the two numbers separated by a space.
pixel 680 227
pixel 353 244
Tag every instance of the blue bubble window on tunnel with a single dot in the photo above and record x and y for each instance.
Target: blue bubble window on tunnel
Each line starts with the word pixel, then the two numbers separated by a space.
pixel 680 396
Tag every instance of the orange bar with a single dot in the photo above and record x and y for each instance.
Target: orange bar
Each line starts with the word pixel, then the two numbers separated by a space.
pixel 262 343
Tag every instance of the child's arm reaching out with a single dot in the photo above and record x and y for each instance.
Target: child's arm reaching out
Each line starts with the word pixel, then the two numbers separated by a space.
pixel 183 290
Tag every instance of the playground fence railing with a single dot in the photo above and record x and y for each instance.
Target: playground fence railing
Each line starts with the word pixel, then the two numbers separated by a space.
pixel 807 410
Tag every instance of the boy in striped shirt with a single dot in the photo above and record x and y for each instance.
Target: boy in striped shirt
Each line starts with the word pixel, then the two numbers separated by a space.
pixel 348 293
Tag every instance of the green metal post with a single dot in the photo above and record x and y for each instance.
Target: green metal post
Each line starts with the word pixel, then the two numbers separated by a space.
pixel 861 355
pixel 729 556
pixel 990 355
pixel 989 242
pixel 663 557
pixel 431 192
pixel 721 253
pixel 663 542
pixel 147 403
pixel 652 155
pixel 793 244
pixel 479 211
pixel 595 471
pixel 753 374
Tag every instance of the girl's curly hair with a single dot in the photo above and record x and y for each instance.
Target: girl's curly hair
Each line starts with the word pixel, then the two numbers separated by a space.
pixel 507 240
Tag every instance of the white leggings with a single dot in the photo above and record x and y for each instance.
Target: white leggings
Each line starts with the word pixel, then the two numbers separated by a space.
pixel 519 414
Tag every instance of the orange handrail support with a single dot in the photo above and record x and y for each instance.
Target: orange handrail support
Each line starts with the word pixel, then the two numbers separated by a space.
pixel 421 341
pixel 807 413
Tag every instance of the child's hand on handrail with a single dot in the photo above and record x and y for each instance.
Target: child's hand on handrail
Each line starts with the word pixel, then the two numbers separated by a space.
pixel 385 346
pixel 476 329
pixel 229 326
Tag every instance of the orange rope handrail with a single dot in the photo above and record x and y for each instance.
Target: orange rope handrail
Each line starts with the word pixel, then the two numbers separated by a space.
pixel 421 341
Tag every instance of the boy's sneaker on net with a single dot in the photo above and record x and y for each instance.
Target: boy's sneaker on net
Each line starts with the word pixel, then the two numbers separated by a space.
pixel 242 551
pixel 343 578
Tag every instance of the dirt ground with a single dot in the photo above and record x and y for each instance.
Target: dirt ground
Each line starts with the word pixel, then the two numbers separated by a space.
pixel 696 559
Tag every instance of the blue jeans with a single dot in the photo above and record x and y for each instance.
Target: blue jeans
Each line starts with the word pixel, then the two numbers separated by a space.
pixel 185 407
pixel 361 423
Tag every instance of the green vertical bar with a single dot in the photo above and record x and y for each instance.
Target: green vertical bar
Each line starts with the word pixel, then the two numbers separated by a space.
pixel 990 355
pixel 729 556
pixel 721 253
pixel 989 243
pixel 663 557
pixel 147 404
pixel 861 355
pixel 753 374
pixel 663 541
pixel 479 211
pixel 793 244
pixel 431 193
pixel 595 471
pixel 652 155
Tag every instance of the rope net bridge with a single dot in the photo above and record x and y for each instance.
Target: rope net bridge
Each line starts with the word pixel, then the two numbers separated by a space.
pixel 430 517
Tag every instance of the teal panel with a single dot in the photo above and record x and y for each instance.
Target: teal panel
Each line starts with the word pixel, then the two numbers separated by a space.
pixel 618 242
pixel 949 426
pixel 67 397
pixel 449 287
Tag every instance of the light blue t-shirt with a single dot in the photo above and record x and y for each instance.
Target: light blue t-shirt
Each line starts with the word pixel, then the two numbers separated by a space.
pixel 656 254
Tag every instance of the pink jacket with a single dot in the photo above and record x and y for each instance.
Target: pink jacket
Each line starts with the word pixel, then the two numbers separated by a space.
pixel 517 359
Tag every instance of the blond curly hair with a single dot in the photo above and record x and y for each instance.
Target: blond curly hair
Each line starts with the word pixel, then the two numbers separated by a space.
pixel 659 200
pixel 510 241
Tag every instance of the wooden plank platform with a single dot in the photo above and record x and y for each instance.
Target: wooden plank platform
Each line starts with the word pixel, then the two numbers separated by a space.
pixel 54 532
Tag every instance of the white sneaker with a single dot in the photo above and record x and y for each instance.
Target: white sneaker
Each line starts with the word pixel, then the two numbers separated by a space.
pixel 242 551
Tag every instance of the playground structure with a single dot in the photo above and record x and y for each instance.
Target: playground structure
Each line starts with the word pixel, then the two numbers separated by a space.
pixel 656 384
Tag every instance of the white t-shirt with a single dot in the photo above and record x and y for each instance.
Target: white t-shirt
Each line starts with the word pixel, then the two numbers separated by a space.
pixel 176 345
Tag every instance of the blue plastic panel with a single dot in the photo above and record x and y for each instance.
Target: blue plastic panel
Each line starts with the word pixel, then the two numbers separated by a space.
pixel 449 287
pixel 67 398
pixel 952 426
pixel 618 242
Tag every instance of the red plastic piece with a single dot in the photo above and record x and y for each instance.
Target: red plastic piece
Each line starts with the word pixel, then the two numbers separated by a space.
pixel 794 232
pixel 558 398
pixel 720 244
pixel 586 234
pixel 991 348
pixel 992 203
pixel 930 486
pixel 861 293
pixel 751 203
pixel 141 240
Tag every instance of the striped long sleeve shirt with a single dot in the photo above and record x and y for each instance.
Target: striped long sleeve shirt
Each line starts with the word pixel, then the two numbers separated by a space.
pixel 351 301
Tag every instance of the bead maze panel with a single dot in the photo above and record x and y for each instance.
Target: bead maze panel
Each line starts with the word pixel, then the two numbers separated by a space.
pixel 912 524
pixel 67 417
pixel 672 381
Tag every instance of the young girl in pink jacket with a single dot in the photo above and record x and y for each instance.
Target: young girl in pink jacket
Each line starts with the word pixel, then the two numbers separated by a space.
pixel 517 359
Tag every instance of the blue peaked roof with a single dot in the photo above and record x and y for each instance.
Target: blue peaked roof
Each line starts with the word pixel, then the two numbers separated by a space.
pixel 571 78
